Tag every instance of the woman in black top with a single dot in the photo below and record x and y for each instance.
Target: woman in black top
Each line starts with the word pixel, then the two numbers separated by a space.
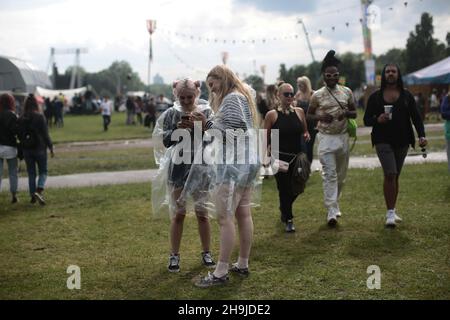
pixel 8 141
pixel 293 132
pixel 34 138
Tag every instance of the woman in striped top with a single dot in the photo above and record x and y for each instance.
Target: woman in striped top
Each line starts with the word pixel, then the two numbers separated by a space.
pixel 235 117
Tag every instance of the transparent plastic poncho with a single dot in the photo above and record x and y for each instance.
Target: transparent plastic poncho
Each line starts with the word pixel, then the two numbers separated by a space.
pixel 174 152
pixel 225 168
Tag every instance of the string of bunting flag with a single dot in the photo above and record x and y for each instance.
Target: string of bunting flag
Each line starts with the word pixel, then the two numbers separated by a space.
pixel 208 39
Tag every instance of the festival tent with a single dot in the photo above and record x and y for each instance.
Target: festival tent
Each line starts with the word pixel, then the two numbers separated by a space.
pixel 68 94
pixel 136 94
pixel 20 76
pixel 437 73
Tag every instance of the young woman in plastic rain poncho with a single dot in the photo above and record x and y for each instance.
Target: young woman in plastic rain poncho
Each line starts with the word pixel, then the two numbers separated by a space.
pixel 174 153
pixel 235 167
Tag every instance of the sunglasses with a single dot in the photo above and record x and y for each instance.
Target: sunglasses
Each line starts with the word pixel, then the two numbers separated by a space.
pixel 424 152
pixel 288 94
pixel 331 75
pixel 186 97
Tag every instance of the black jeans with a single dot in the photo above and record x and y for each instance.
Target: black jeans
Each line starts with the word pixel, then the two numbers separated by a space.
pixel 285 194
pixel 106 122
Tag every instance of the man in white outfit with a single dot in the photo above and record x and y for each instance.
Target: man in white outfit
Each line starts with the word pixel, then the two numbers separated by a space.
pixel 331 106
pixel 106 109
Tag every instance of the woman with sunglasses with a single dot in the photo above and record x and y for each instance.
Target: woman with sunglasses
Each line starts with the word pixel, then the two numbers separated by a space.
pixel 291 124
pixel 175 160
pixel 331 106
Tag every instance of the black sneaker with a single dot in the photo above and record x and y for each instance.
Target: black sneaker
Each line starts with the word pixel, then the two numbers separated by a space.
pixel 290 226
pixel 14 199
pixel 174 263
pixel 33 199
pixel 40 198
pixel 243 272
pixel 211 280
pixel 207 259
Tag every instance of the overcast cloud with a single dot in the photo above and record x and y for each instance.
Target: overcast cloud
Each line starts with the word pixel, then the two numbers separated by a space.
pixel 191 35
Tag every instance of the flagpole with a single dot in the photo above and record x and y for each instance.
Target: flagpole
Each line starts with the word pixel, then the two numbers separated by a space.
pixel 151 26
pixel 149 60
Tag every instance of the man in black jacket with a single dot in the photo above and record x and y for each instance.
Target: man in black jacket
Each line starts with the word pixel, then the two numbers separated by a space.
pixel 390 111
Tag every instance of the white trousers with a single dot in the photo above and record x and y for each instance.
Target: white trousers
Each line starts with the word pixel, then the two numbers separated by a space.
pixel 333 155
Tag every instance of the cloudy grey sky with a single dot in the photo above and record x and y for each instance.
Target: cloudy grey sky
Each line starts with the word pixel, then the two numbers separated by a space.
pixel 191 35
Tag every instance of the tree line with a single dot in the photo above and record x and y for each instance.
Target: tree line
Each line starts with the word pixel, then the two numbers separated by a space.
pixel 421 51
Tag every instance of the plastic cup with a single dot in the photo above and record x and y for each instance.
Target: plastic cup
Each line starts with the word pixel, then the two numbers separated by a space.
pixel 388 110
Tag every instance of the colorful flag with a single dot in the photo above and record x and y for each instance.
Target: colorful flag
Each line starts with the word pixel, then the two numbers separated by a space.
pixel 151 26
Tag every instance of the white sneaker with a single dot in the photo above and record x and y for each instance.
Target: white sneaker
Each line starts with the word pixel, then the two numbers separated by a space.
pixel 397 218
pixel 331 219
pixel 338 214
pixel 390 219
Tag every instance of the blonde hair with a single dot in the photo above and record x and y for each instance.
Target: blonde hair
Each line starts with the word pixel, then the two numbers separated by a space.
pixel 229 83
pixel 305 80
pixel 280 86
pixel 186 84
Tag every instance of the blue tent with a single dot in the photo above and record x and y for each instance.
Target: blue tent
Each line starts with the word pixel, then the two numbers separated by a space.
pixel 437 73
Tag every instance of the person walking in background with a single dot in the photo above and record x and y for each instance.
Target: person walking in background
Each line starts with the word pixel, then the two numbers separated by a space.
pixel 302 98
pixel 131 110
pixel 49 113
pixel 180 118
pixel 34 139
pixel 290 121
pixel 445 113
pixel 271 97
pixel 235 117
pixel 331 106
pixel 106 110
pixel 138 109
pixel 150 113
pixel 59 110
pixel 261 105
pixel 420 102
pixel 390 111
pixel 8 142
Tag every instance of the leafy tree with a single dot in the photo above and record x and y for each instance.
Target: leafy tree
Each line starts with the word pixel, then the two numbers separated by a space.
pixel 421 48
pixel 256 82
pixel 157 89
pixel 391 56
pixel 353 69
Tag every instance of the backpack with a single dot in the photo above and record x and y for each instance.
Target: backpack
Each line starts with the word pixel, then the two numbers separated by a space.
pixel 28 136
pixel 300 173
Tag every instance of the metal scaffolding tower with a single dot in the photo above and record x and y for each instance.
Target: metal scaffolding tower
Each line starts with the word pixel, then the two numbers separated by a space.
pixel 75 79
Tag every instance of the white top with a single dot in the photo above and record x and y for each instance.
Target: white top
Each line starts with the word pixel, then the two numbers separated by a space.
pixel 7 152
pixel 106 107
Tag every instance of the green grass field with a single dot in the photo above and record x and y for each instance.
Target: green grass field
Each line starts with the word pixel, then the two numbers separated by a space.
pixel 90 128
pixel 122 251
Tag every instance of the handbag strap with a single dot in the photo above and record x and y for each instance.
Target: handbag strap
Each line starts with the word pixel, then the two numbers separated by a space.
pixel 336 99
pixel 289 154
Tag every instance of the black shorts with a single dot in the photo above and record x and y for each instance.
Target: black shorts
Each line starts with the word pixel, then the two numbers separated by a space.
pixel 391 158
